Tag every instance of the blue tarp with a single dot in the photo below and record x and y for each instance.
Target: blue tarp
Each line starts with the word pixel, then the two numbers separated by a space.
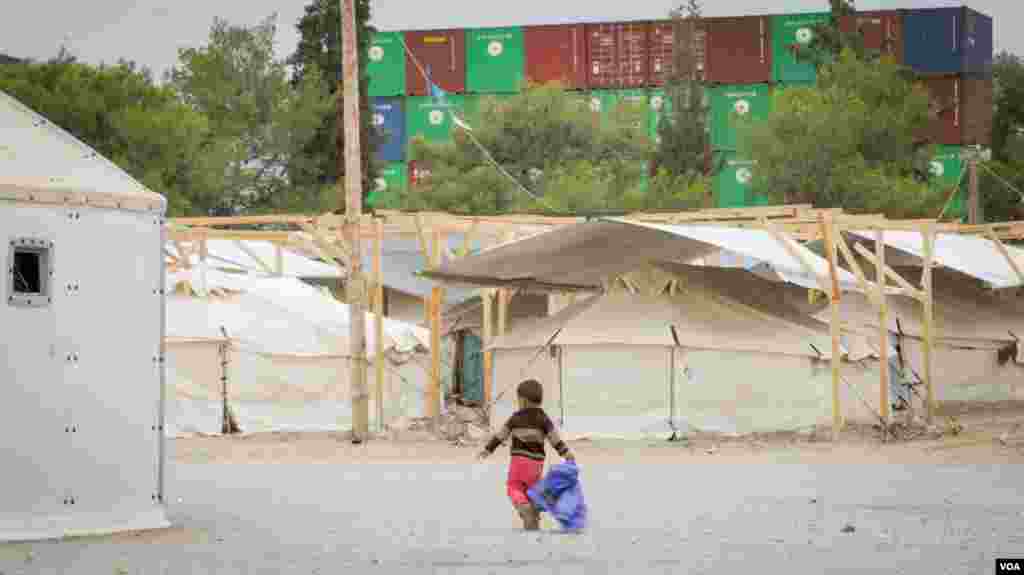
pixel 560 494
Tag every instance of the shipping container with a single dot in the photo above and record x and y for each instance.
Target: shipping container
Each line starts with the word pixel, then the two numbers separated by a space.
pixel 495 60
pixel 441 54
pixel 658 106
pixel 738 50
pixel 557 54
pixel 389 125
pixel 385 65
pixel 790 33
pixel 662 50
pixel 474 106
pixel 392 181
pixel 617 55
pixel 948 41
pixel 961 110
pixel 946 170
pixel 732 181
pixel 881 31
pixel 731 105
pixel 621 103
pixel 431 117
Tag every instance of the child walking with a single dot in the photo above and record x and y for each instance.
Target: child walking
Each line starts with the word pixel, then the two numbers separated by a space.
pixel 528 428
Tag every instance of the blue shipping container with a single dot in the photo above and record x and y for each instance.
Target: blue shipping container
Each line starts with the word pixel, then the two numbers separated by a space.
pixel 389 124
pixel 948 41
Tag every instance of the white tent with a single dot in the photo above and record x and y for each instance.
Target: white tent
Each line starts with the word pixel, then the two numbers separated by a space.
pixel 81 403
pixel 287 356
pixel 636 364
pixel 257 257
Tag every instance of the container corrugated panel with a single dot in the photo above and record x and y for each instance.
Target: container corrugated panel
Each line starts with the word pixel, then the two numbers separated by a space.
pixel 557 54
pixel 495 60
pixel 962 110
pixel 431 118
pixel 662 49
pixel 948 41
pixel 882 31
pixel 731 105
pixel 738 50
pixel 732 182
pixel 617 55
pixel 389 123
pixel 385 65
pixel 946 168
pixel 608 103
pixel 439 53
pixel 791 32
pixel 392 181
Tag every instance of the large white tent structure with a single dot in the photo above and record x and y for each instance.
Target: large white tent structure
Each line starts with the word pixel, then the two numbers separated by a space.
pixel 81 328
pixel 274 351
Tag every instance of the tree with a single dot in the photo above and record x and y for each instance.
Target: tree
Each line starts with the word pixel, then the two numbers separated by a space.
pixel 546 143
pixel 1000 179
pixel 319 52
pixel 120 112
pixel 683 131
pixel 849 142
pixel 261 121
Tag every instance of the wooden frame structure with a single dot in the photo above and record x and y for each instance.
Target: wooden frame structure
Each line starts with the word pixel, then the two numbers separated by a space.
pixel 790 225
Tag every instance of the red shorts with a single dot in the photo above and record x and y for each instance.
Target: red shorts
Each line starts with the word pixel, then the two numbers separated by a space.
pixel 523 472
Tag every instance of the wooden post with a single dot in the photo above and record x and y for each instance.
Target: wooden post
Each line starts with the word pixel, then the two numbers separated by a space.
pixel 436 295
pixel 883 324
pixel 488 316
pixel 504 295
pixel 828 232
pixel 974 211
pixel 378 319
pixel 926 282
pixel 352 190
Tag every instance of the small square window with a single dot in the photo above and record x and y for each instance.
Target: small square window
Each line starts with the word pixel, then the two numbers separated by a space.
pixel 30 273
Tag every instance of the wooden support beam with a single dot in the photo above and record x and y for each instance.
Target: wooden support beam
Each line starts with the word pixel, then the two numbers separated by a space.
pixel 305 241
pixel 378 320
pixel 858 272
pixel 828 232
pixel 278 260
pixel 210 222
pixel 926 282
pixel 185 255
pixel 436 301
pixel 883 326
pixel 259 261
pixel 337 248
pixel 795 252
pixel 197 234
pixel 1006 255
pixel 488 338
pixel 889 272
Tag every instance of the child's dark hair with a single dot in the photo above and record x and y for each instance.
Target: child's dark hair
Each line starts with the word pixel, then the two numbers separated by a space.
pixel 531 390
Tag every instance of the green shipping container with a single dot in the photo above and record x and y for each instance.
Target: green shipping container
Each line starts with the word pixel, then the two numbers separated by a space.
pixel 658 106
pixel 495 60
pixel 788 33
pixel 609 102
pixel 431 118
pixel 732 183
pixel 473 106
pixel 392 181
pixel 946 169
pixel 385 65
pixel 732 104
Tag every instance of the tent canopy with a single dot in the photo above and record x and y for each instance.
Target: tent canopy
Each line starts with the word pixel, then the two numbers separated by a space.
pixel 238 256
pixel 36 155
pixel 974 256
pixel 581 256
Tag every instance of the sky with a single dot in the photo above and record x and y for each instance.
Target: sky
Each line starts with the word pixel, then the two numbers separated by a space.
pixel 150 32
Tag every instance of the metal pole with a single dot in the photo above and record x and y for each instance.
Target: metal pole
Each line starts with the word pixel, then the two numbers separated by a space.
pixel 351 188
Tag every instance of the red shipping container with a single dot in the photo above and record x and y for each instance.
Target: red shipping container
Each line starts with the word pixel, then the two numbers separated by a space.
pixel 662 51
pixel 961 110
pixel 617 55
pixel 882 31
pixel 557 54
pixel 738 50
pixel 442 54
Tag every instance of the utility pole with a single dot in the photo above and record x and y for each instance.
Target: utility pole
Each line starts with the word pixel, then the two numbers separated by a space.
pixel 352 190
pixel 974 215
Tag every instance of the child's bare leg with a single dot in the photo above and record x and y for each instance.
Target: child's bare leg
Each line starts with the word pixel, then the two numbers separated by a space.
pixel 530 516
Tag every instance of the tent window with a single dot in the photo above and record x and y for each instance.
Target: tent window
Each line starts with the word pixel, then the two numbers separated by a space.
pixel 30 273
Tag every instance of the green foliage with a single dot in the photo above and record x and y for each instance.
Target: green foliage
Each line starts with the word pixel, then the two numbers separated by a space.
pixel 261 121
pixel 849 142
pixel 319 52
pixel 120 112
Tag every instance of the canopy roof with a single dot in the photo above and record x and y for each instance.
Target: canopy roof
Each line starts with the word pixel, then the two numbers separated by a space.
pixel 238 256
pixel 975 256
pixel 40 162
pixel 581 256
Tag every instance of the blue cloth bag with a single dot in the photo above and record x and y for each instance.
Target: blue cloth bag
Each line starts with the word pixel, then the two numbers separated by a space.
pixel 560 494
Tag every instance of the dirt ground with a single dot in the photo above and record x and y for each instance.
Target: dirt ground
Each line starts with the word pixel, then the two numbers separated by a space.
pixel 978 442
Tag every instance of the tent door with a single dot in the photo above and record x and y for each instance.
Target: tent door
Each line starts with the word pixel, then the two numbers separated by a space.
pixel 471 374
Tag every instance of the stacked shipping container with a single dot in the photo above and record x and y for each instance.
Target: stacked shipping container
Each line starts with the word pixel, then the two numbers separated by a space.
pixel 741 59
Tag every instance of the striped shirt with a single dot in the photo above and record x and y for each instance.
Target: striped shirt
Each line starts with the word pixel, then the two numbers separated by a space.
pixel 529 428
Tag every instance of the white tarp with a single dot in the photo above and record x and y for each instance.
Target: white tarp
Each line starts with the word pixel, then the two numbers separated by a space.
pixel 975 256
pixel 235 255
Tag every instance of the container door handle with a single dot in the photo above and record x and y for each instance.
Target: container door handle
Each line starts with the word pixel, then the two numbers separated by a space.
pixel 762 40
pixel 956 34
pixel 956 102
pixel 451 40
pixel 575 54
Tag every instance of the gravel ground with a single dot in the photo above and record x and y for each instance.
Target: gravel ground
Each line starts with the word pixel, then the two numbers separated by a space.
pixel 453 518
